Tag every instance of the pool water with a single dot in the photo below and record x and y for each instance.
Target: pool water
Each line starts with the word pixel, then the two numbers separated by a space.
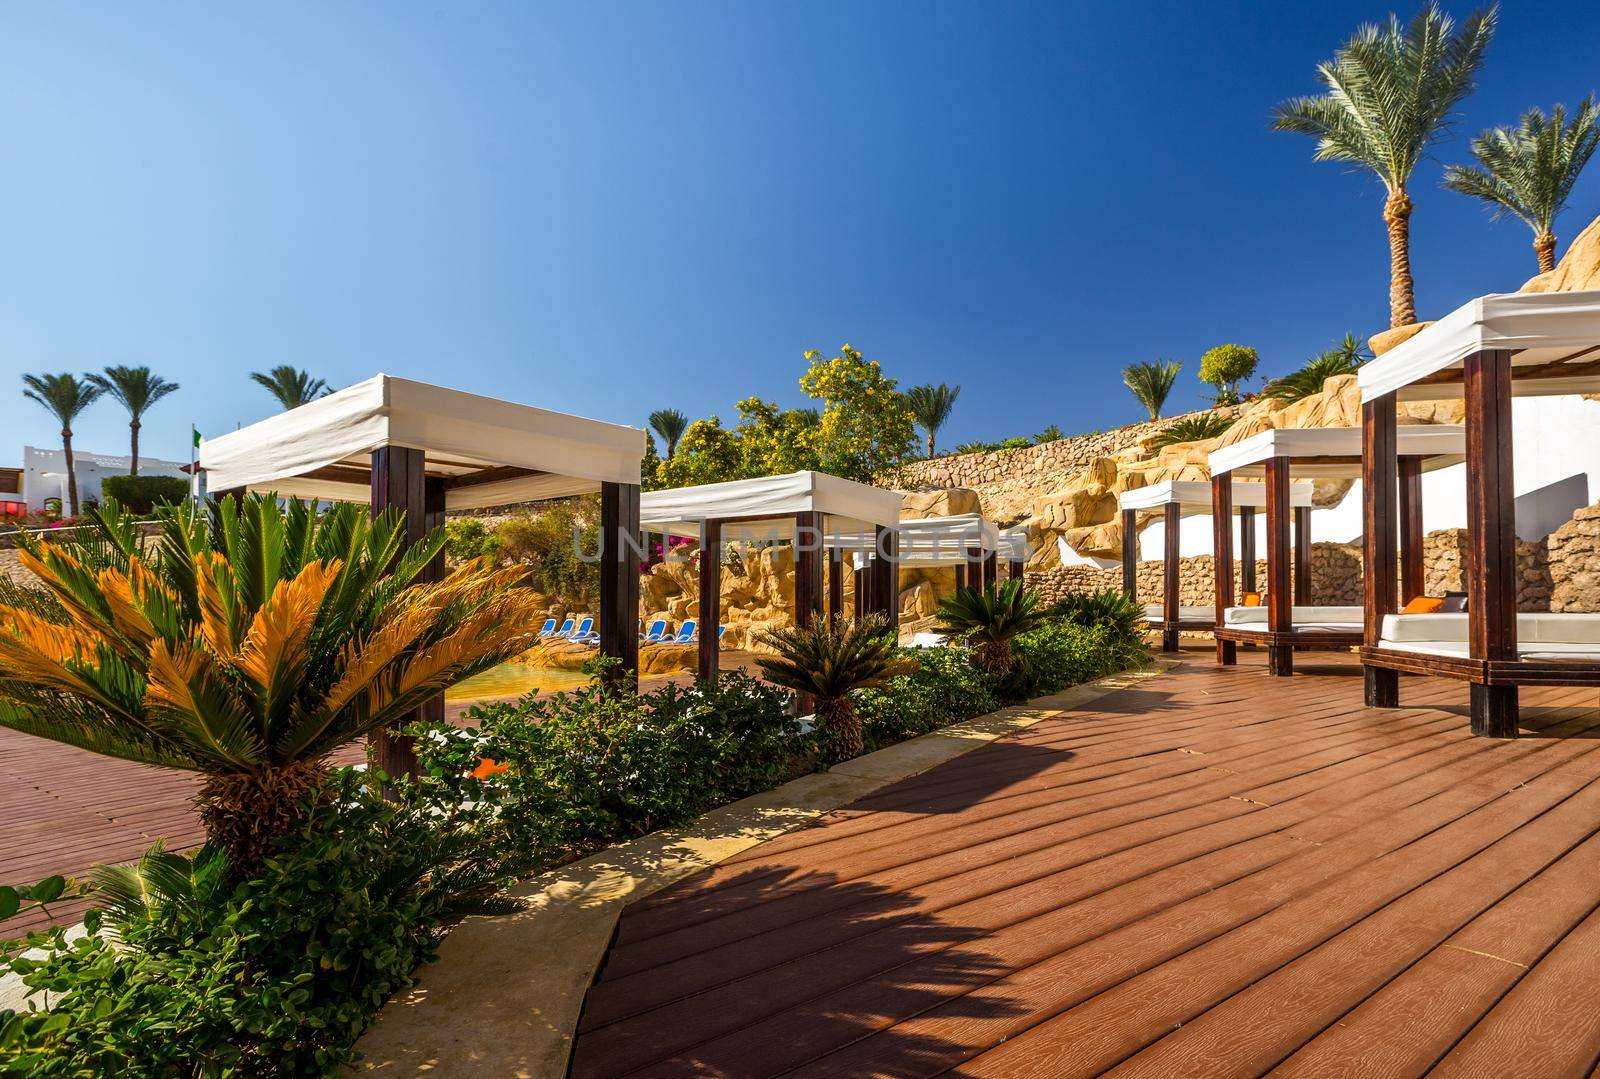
pixel 514 680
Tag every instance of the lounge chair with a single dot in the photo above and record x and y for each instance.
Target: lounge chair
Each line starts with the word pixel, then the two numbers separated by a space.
pixel 585 628
pixel 564 631
pixel 686 632
pixel 657 633
pixel 548 628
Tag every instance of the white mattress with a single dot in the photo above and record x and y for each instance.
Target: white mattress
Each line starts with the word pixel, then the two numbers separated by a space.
pixel 1551 650
pixel 1155 612
pixel 1303 619
pixel 1544 629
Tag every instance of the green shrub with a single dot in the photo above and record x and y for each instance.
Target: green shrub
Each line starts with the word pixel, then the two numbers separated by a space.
pixel 945 688
pixel 276 976
pixel 1059 654
pixel 545 543
pixel 605 763
pixel 1110 607
pixel 141 494
pixel 466 538
pixel 1200 428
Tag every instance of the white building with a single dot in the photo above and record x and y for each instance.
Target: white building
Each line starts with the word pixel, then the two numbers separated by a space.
pixel 44 474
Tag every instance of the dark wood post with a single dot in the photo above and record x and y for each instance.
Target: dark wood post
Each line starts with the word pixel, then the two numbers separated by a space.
pixel 398 483
pixel 1014 569
pixel 991 570
pixel 1412 583
pixel 708 655
pixel 1130 554
pixel 887 586
pixel 619 577
pixel 835 584
pixel 961 573
pixel 1491 536
pixel 861 577
pixel 808 556
pixel 1302 554
pixel 1247 548
pixel 1379 473
pixel 1280 598
pixel 975 568
pixel 1172 524
pixel 1222 557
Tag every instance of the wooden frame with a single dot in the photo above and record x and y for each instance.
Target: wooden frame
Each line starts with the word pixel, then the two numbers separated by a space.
pixel 1222 559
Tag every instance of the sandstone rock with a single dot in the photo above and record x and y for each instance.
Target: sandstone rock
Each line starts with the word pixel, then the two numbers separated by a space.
pixel 940 502
pixel 1383 342
pixel 1578 269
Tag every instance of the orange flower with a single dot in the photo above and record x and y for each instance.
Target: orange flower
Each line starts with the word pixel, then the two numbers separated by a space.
pixel 487 768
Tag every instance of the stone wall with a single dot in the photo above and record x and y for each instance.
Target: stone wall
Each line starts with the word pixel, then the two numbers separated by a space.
pixel 1335 578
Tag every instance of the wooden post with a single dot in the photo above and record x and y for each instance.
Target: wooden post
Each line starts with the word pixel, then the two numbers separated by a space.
pixel 708 657
pixel 1172 522
pixel 619 578
pixel 1491 536
pixel 887 587
pixel 1302 554
pixel 1130 554
pixel 1412 583
pixel 835 584
pixel 1247 548
pixel 1280 598
pixel 1222 557
pixel 398 483
pixel 975 568
pixel 961 574
pixel 1014 569
pixel 808 556
pixel 991 570
pixel 862 576
pixel 1379 473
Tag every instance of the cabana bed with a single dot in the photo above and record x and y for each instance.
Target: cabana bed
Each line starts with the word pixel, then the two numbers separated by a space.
pixel 1494 348
pixel 1287 622
pixel 425 450
pixel 1174 500
pixel 806 508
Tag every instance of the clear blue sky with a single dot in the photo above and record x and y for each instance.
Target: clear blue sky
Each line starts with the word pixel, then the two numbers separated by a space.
pixel 608 208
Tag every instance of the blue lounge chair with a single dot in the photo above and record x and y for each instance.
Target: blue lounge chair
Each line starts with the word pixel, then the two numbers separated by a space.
pixel 584 629
pixel 658 632
pixel 548 628
pixel 564 631
pixel 686 632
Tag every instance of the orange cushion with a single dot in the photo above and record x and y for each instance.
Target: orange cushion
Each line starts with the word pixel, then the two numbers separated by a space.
pixel 1423 605
pixel 1251 599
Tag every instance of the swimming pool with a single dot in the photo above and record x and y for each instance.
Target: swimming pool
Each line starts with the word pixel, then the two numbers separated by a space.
pixel 514 680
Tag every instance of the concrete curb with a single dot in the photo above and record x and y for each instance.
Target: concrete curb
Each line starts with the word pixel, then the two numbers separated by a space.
pixel 505 994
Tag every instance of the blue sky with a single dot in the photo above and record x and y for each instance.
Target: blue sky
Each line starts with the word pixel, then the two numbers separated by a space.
pixel 609 208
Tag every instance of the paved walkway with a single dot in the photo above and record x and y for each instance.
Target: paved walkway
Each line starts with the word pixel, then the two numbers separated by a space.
pixel 1215 874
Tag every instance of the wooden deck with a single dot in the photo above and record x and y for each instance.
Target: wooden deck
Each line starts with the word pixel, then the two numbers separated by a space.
pixel 1216 873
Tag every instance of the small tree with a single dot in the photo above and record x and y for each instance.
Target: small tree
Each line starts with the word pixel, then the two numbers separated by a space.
pixel 670 424
pixel 66 396
pixel 1151 383
pixel 137 389
pixel 831 659
pixel 1227 367
pixel 931 406
pixel 990 619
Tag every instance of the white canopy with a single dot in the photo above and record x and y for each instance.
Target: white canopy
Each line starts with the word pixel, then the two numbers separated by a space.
pixel 1014 545
pixel 490 452
pixel 765 508
pixel 942 541
pixel 1194 496
pixel 1335 452
pixel 1542 328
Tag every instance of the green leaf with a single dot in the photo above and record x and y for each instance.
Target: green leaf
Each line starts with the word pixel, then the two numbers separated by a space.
pixel 10 901
pixel 48 890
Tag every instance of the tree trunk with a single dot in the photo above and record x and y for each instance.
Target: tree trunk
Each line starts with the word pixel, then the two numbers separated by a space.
pixel 133 465
pixel 994 657
pixel 247 813
pixel 1402 290
pixel 72 473
pixel 930 445
pixel 1544 245
pixel 843 724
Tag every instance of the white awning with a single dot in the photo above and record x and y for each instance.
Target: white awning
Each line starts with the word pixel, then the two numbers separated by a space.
pixel 489 452
pixel 1014 545
pixel 1541 328
pixel 1194 496
pixel 765 508
pixel 1335 452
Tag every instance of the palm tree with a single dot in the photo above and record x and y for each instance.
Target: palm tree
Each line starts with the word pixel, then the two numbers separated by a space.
pixel 670 424
pixel 931 407
pixel 1529 170
pixel 990 619
pixel 830 659
pixel 290 385
pixel 137 389
pixel 247 645
pixel 1152 382
pixel 66 396
pixel 1392 92
pixel 1199 428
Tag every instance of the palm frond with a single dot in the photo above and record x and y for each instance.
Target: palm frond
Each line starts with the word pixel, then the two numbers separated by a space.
pixel 1200 428
pixel 1152 383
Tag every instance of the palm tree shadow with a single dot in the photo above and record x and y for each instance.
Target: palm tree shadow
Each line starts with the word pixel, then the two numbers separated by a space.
pixel 1137 701
pixel 737 999
pixel 984 773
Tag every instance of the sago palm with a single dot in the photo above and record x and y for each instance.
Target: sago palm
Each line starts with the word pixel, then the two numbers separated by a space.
pixel 670 424
pixel 1529 170
pixel 136 389
pixel 990 619
pixel 931 407
pixel 1199 428
pixel 247 646
pixel 1392 92
pixel 66 396
pixel 1151 383
pixel 830 660
pixel 290 385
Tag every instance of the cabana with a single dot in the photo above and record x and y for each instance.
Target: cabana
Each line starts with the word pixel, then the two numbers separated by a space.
pixel 1174 500
pixel 1494 348
pixel 803 507
pixel 426 450
pixel 1014 551
pixel 1287 621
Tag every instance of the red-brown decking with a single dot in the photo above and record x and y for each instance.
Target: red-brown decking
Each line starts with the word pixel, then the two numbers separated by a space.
pixel 1215 873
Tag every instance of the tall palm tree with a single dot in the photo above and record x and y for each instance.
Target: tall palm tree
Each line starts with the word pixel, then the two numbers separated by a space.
pixel 670 424
pixel 1392 92
pixel 290 385
pixel 1529 170
pixel 1152 382
pixel 137 389
pixel 66 396
pixel 931 407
